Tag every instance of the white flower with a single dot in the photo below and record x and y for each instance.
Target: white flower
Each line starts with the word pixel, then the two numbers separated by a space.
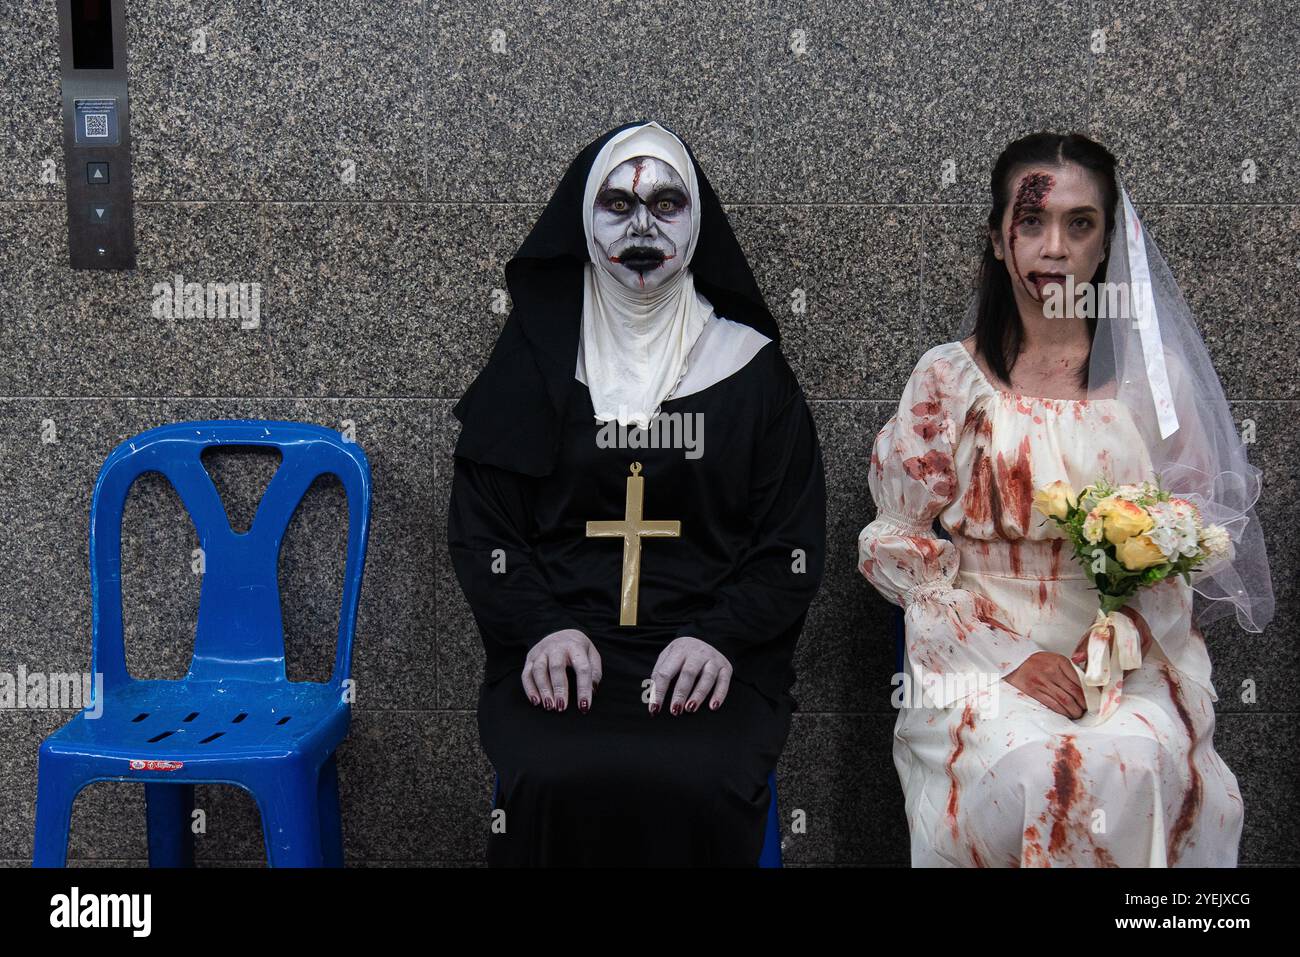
pixel 1184 507
pixel 1092 527
pixel 1174 532
pixel 1133 491
pixel 1216 541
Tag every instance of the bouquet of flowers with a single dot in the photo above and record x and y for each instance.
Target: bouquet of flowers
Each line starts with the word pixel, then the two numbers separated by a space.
pixel 1127 537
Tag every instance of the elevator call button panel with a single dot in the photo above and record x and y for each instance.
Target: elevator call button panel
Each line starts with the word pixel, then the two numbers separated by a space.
pixel 96 134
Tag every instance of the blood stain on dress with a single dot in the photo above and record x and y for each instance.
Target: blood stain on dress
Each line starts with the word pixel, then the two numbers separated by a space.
pixel 1053 575
pixel 1143 719
pixel 981 505
pixel 978 504
pixel 977 422
pixel 1031 851
pixel 1065 764
pixel 987 611
pixel 1013 556
pixel 1064 798
pixel 931 551
pixel 958 745
pixel 929 407
pixel 1016 485
pixel 1191 805
pixel 933 462
pixel 1123 766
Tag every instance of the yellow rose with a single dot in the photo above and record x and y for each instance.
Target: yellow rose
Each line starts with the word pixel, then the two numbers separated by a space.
pixel 1138 552
pixel 1055 500
pixel 1122 519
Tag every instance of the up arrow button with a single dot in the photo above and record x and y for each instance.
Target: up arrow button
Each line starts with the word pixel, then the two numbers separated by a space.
pixel 97 173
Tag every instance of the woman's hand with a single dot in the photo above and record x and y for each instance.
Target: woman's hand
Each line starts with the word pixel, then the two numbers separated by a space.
pixel 1048 678
pixel 698 667
pixel 1080 656
pixel 545 676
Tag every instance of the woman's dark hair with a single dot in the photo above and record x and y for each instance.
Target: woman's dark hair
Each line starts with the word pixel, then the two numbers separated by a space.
pixel 999 333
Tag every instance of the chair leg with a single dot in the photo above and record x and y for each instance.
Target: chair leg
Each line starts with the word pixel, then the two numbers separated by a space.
pixel 771 854
pixel 331 823
pixel 289 802
pixel 55 793
pixel 169 809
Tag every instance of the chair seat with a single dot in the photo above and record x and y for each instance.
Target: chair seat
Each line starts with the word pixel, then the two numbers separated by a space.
pixel 193 720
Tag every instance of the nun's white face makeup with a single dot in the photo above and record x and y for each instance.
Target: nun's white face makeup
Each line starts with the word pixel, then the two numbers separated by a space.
pixel 641 221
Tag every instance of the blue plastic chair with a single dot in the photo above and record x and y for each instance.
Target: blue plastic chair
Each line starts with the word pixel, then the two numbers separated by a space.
pixel 900 642
pixel 234 718
pixel 770 856
pixel 771 853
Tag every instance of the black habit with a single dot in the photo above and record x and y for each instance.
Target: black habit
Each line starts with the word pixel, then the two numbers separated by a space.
pixel 618 785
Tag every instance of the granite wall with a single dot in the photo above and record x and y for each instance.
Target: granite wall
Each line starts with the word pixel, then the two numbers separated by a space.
pixel 373 166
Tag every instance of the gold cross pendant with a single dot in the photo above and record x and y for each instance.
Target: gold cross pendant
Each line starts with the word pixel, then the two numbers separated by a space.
pixel 631 530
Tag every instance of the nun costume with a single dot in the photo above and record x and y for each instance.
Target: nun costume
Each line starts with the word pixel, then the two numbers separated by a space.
pixel 637 477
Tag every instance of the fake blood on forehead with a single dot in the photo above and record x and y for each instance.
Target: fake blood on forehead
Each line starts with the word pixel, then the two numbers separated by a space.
pixel 1032 195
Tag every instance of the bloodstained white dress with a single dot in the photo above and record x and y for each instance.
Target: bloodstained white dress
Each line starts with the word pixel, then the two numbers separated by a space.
pixel 991 776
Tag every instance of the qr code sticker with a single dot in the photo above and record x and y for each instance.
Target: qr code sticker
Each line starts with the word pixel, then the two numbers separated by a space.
pixel 97 124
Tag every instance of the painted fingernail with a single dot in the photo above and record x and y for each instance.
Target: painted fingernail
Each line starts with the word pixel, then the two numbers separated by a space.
pixel 582 705
pixel 533 699
pixel 677 709
pixel 691 706
pixel 549 704
pixel 713 706
pixel 654 709
pixel 559 704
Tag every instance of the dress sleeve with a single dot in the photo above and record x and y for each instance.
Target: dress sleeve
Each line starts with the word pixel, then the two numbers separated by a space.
pixel 488 535
pixel 778 575
pixel 953 634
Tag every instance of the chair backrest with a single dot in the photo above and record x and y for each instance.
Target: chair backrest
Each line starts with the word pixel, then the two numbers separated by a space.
pixel 240 634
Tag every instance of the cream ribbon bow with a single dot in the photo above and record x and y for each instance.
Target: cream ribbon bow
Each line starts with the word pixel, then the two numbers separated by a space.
pixel 1108 658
